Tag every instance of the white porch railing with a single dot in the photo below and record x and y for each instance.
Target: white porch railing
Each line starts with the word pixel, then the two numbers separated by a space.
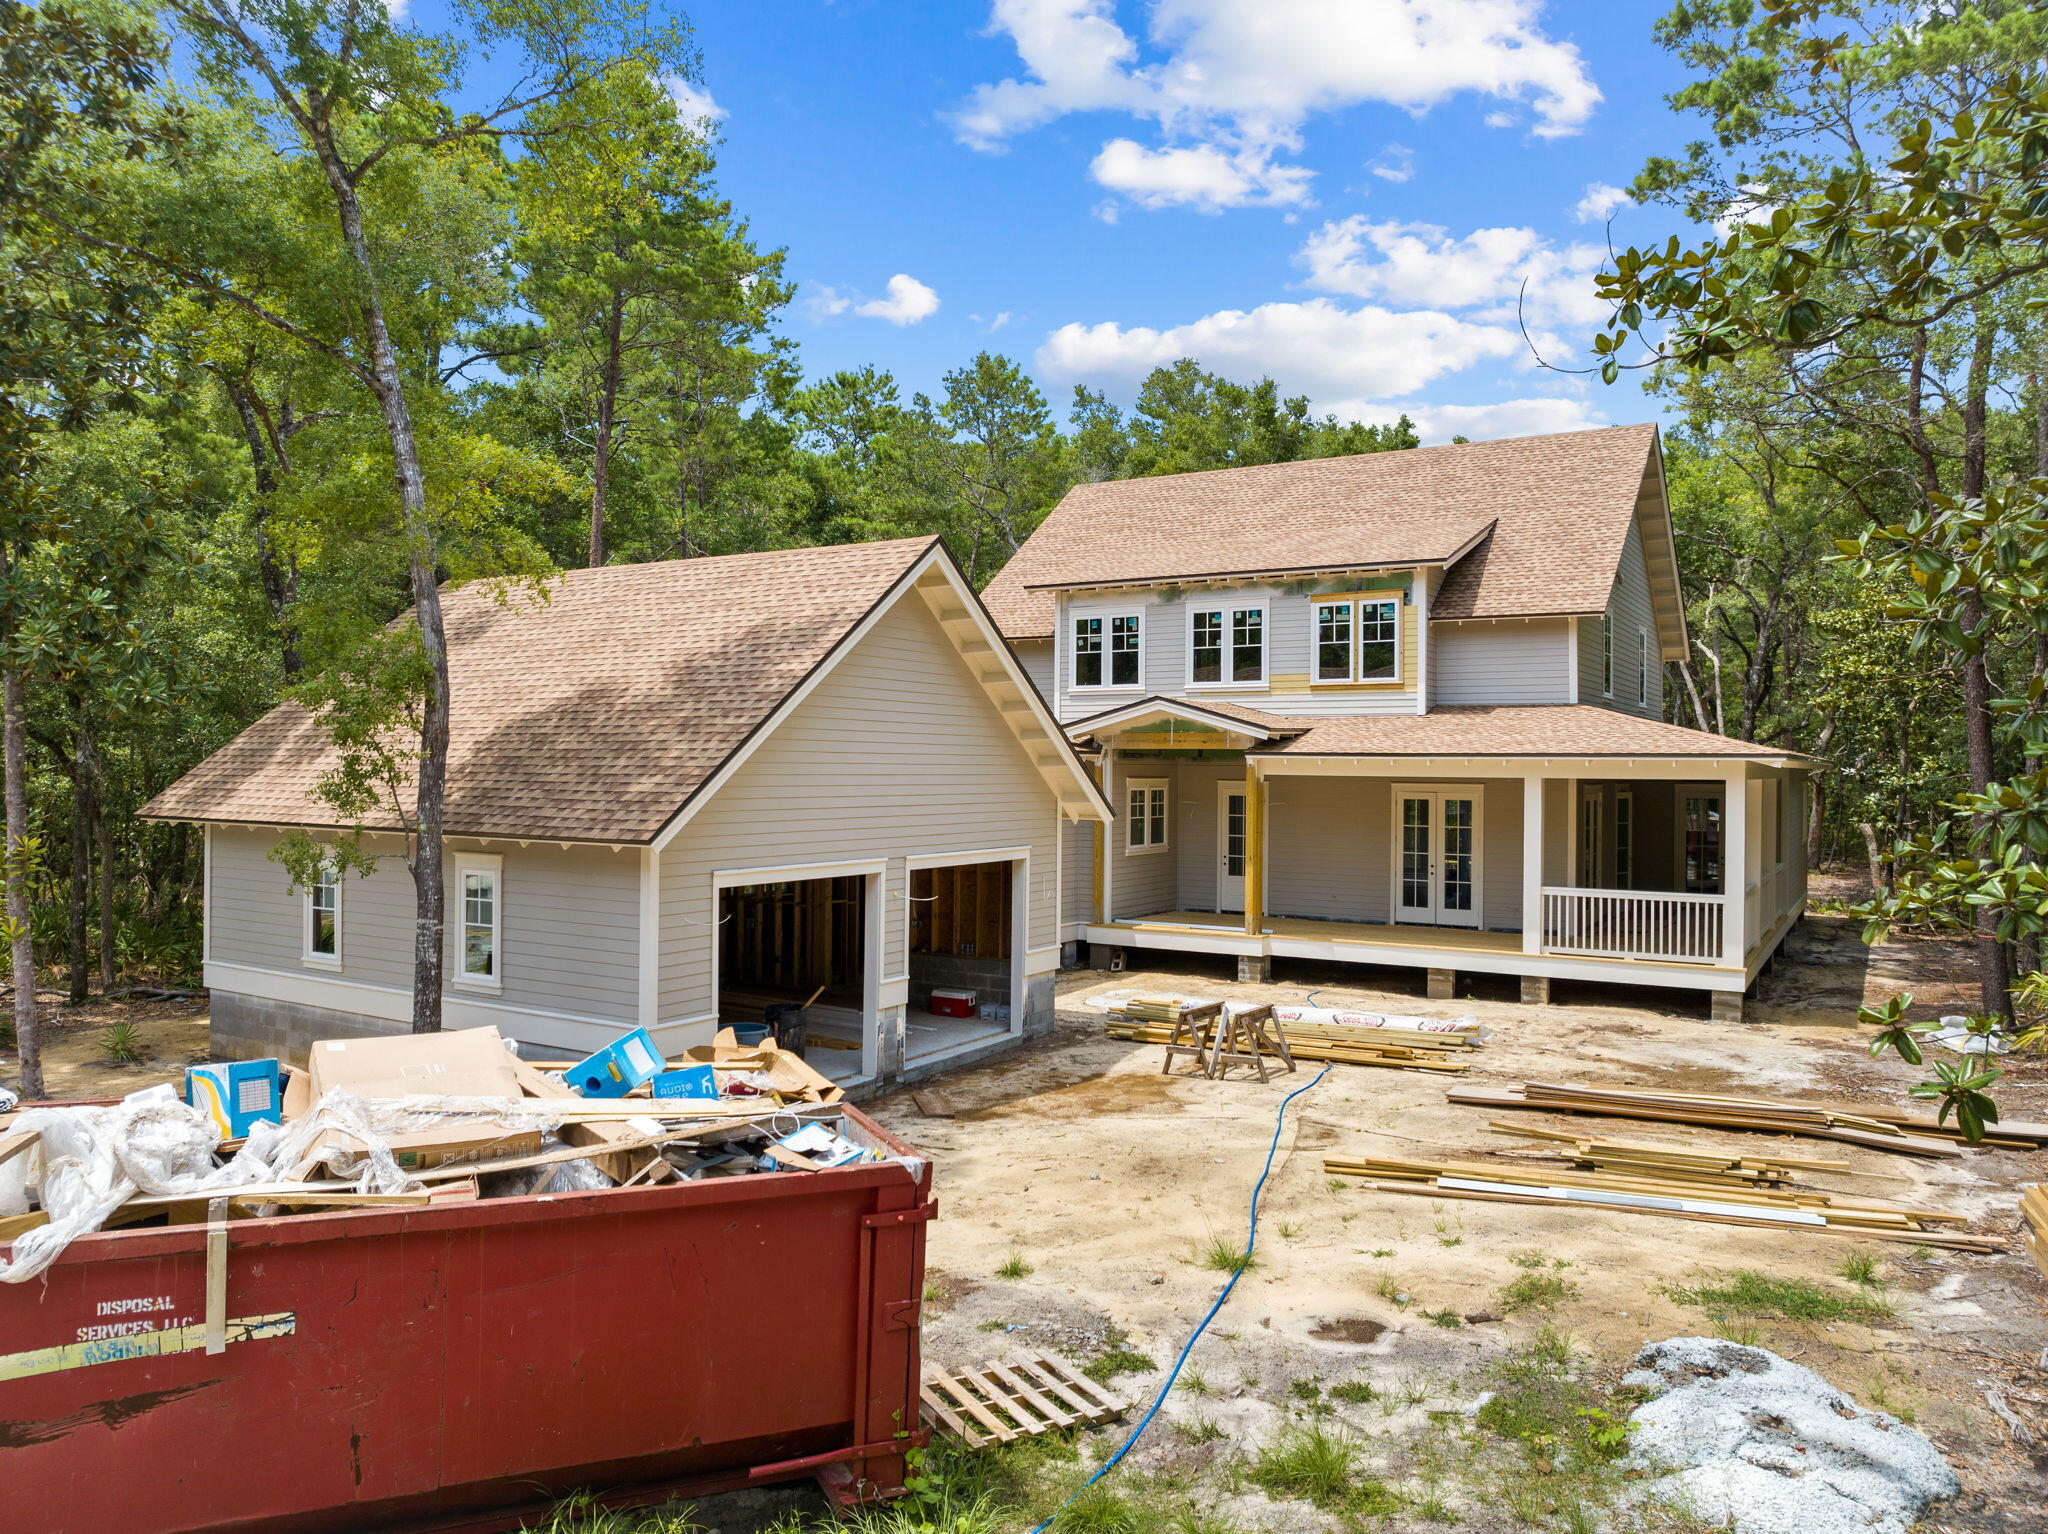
pixel 1634 924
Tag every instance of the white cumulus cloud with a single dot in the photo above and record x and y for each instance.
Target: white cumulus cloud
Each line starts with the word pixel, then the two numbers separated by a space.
pixel 1601 203
pixel 1318 347
pixel 1483 423
pixel 1241 77
pixel 694 106
pixel 1206 177
pixel 1497 274
pixel 906 302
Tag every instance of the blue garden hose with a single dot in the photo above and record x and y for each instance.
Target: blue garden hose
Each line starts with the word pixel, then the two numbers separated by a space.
pixel 1251 1240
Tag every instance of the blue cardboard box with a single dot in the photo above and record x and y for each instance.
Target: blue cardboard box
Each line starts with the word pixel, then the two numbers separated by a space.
pixel 691 1081
pixel 236 1093
pixel 617 1068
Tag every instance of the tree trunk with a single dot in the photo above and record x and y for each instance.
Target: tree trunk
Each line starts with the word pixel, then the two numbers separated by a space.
pixel 13 758
pixel 78 944
pixel 279 577
pixel 429 890
pixel 1994 958
pixel 103 836
pixel 607 419
pixel 1879 883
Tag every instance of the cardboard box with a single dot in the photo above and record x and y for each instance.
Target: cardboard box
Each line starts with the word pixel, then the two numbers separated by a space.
pixel 468 1062
pixel 620 1166
pixel 236 1093
pixel 793 1079
pixel 618 1068
pixel 697 1081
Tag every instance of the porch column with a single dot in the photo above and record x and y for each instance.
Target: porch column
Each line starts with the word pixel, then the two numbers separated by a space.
pixel 1254 850
pixel 1735 863
pixel 1532 864
pixel 1105 866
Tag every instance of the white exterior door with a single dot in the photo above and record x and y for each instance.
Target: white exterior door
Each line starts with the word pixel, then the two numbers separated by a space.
pixel 1230 847
pixel 1436 856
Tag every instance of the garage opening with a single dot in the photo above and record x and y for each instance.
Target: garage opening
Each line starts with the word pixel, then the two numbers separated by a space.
pixel 962 959
pixel 801 943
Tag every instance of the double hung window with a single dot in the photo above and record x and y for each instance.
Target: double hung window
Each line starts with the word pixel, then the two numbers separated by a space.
pixel 1358 640
pixel 1227 645
pixel 1106 649
pixel 1145 825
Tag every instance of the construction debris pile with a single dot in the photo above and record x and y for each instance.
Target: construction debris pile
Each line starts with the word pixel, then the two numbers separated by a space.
pixel 1311 1033
pixel 1878 1128
pixel 1678 1180
pixel 411 1120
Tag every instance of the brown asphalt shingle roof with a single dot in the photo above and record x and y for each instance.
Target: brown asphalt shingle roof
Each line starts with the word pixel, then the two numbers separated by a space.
pixel 1559 729
pixel 1558 508
pixel 594 716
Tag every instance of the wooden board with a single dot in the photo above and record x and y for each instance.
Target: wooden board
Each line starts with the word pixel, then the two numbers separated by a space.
pixel 1655 1111
pixel 1027 1394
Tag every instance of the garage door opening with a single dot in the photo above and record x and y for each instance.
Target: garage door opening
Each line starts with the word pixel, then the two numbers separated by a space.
pixel 803 940
pixel 963 944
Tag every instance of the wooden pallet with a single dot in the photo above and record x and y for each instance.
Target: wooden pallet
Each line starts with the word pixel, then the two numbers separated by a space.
pixel 1030 1393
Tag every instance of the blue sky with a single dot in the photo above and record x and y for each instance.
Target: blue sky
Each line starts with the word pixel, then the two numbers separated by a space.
pixel 1343 194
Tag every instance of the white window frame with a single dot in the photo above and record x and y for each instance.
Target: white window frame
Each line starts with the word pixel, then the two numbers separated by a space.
pixel 1354 675
pixel 1158 802
pixel 1607 654
pixel 1642 668
pixel 330 878
pixel 1107 617
pixel 467 863
pixel 1230 610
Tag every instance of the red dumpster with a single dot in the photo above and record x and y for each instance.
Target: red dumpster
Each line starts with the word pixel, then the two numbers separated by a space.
pixel 458 1367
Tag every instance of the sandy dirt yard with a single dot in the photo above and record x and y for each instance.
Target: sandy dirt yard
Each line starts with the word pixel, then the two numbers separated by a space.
pixel 1079 1161
pixel 1080 1190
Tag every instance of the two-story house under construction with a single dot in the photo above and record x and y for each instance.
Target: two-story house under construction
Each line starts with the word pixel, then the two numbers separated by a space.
pixel 1404 708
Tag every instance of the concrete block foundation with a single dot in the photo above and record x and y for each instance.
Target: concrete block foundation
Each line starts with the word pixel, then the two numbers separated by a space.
pixel 1535 990
pixel 1254 969
pixel 1443 984
pixel 1724 1006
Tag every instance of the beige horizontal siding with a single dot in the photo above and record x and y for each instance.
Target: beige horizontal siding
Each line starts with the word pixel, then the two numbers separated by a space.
pixel 897 753
pixel 568 929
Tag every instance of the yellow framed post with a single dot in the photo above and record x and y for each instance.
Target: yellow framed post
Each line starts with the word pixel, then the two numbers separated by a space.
pixel 1254 850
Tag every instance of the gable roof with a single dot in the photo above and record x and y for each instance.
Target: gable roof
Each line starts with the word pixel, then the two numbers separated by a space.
pixel 1530 526
pixel 596 715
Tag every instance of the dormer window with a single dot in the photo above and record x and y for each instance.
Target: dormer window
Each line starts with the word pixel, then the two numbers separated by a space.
pixel 1106 650
pixel 1358 640
pixel 1227 645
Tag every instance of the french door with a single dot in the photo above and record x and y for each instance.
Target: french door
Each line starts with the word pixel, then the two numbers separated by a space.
pixel 1699 837
pixel 1230 847
pixel 1436 856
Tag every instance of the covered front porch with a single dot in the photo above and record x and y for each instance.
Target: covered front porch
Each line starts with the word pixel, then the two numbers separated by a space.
pixel 1670 872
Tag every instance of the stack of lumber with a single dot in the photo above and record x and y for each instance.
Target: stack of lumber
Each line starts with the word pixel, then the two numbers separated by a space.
pixel 2034 1223
pixel 1683 1163
pixel 1000 1402
pixel 1158 1009
pixel 1728 1201
pixel 1394 1047
pixel 1815 1122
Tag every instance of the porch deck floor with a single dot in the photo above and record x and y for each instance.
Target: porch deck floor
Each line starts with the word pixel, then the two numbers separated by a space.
pixel 1368 934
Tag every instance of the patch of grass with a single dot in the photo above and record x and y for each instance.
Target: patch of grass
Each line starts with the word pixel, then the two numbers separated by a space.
pixel 1862 1268
pixel 1335 1184
pixel 1527 1259
pixel 1193 1383
pixel 1198 1430
pixel 993 1326
pixel 1353 1393
pixel 1747 1292
pixel 1445 1318
pixel 1309 1389
pixel 1117 1357
pixel 580 1514
pixel 1221 1255
pixel 1536 1291
pixel 1320 1465
pixel 123 1042
pixel 1014 1266
pixel 1389 1288
pixel 1744 1334
pixel 1383 1251
pixel 1289 1230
